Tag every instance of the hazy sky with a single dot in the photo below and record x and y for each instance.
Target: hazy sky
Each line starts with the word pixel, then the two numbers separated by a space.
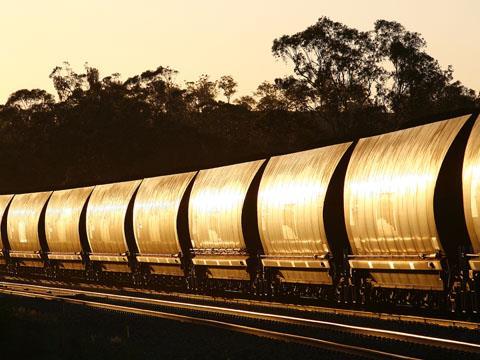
pixel 214 37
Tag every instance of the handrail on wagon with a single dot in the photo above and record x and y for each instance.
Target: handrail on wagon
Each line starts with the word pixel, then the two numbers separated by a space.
pixel 399 256
pixel 316 256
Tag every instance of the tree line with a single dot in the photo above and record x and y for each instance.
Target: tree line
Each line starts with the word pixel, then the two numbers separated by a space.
pixel 345 84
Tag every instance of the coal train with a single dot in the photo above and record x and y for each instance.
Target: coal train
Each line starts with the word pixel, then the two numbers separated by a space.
pixel 388 220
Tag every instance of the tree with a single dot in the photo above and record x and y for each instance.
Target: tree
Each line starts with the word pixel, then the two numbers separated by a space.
pixel 296 93
pixel 228 86
pixel 93 77
pixel 28 99
pixel 111 81
pixel 336 63
pixel 418 83
pixel 287 94
pixel 67 82
pixel 248 102
pixel 343 73
pixel 201 94
pixel 270 97
pixel 157 88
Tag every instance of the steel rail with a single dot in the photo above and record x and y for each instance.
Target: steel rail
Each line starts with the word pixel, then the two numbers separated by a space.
pixel 469 325
pixel 274 335
pixel 443 322
pixel 352 329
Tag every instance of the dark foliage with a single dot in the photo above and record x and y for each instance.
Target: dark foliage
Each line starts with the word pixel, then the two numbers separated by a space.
pixel 103 129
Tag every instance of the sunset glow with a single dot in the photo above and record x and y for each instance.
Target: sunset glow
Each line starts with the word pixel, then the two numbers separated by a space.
pixel 212 37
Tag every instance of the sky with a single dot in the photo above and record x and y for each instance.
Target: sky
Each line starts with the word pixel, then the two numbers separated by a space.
pixel 214 37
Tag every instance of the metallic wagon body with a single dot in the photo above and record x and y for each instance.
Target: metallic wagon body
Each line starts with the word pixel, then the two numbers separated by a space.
pixel 62 225
pixel 290 213
pixel 106 216
pixel 4 202
pixel 389 204
pixel 23 227
pixel 471 192
pixel 155 215
pixel 215 219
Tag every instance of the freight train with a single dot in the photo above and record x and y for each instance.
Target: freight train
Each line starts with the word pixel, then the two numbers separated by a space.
pixel 387 220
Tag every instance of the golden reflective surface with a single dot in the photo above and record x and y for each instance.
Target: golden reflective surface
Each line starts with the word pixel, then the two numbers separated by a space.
pixel 106 212
pixel 389 191
pixel 227 273
pixel 291 198
pixel 155 213
pixel 4 201
pixel 23 221
pixel 409 281
pixel 304 277
pixel 471 186
pixel 62 219
pixel 216 202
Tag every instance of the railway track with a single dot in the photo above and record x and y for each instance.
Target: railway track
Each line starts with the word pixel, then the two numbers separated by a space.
pixel 267 305
pixel 364 342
